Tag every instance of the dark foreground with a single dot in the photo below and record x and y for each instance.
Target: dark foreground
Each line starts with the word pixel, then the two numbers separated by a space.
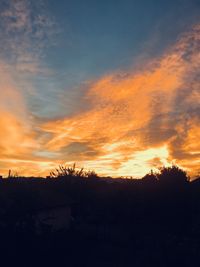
pixel 110 223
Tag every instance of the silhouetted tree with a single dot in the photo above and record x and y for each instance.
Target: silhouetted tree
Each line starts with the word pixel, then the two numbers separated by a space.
pixel 172 176
pixel 150 177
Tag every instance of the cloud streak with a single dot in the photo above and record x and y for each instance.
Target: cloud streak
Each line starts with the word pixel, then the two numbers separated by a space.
pixel 131 121
pixel 25 30
pixel 137 116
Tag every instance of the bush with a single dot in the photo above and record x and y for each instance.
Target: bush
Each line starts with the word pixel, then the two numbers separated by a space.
pixel 172 176
pixel 72 172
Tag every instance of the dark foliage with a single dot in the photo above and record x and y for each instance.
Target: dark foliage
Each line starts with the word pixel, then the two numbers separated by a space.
pixel 172 176
pixel 115 222
pixel 68 172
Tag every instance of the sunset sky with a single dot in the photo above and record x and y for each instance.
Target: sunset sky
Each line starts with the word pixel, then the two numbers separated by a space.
pixel 113 85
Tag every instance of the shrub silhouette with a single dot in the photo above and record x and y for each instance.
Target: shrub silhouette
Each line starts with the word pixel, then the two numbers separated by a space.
pixel 12 174
pixel 150 177
pixel 72 172
pixel 64 171
pixel 172 176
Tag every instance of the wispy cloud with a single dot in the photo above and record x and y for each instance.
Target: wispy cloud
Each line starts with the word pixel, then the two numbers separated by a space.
pixel 26 29
pixel 15 122
pixel 136 117
pixel 131 120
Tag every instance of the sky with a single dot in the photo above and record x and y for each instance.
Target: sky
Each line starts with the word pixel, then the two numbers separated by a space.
pixel 111 85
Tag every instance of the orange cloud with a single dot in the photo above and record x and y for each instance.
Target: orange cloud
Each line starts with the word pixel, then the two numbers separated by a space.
pixel 132 122
pixel 16 137
pixel 133 114
pixel 22 35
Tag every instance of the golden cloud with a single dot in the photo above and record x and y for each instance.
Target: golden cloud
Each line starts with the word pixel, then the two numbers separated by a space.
pixel 136 113
pixel 133 120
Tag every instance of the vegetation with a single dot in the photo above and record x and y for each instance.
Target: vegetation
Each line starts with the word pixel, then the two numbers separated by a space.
pixel 72 172
pixel 152 221
pixel 169 176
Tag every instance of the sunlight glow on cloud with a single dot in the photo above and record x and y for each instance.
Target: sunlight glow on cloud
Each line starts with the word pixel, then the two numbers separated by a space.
pixel 21 40
pixel 16 136
pixel 135 120
pixel 132 114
